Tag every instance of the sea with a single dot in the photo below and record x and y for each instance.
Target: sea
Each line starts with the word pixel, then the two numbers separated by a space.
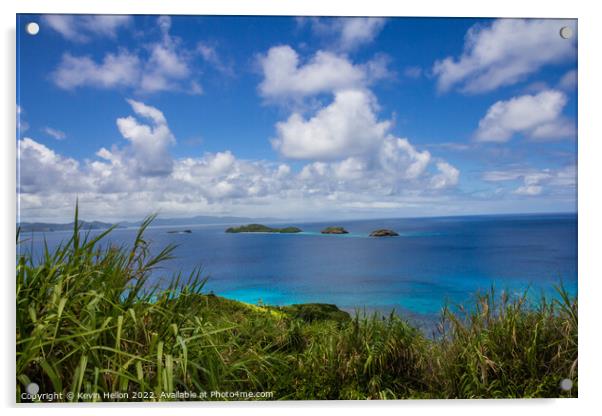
pixel 433 262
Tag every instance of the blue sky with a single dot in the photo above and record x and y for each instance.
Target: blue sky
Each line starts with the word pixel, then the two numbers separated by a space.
pixel 306 118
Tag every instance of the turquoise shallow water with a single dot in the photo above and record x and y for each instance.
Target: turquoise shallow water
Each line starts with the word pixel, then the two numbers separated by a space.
pixel 434 261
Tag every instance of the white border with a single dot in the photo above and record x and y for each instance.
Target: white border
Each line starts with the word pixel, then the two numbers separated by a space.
pixel 590 209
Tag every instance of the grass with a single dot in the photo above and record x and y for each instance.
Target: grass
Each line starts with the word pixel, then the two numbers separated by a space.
pixel 89 324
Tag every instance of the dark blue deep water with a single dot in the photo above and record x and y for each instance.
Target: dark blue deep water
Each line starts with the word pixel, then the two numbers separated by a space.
pixel 434 261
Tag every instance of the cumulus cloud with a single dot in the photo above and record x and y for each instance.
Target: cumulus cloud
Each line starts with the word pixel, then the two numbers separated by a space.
pixel 167 66
pixel 149 143
pixel 394 170
pixel 447 176
pixel 504 53
pixel 348 146
pixel 113 187
pixel 346 33
pixel 352 147
pixel 346 127
pixel 536 116
pixel 41 170
pixel 400 159
pixel 285 76
pixel 140 176
pixel 349 142
pixel 82 28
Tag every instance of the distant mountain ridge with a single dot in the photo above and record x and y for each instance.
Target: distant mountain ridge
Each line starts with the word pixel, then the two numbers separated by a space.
pixel 99 225
pixel 48 226
pixel 203 219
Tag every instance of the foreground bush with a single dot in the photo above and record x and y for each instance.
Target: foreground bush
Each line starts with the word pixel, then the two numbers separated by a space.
pixel 89 323
pixel 508 349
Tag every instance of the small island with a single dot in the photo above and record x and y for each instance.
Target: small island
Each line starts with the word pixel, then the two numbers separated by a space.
pixel 179 232
pixel 383 233
pixel 334 230
pixel 260 228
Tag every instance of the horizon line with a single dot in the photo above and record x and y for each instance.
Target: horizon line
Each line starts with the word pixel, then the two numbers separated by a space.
pixel 314 220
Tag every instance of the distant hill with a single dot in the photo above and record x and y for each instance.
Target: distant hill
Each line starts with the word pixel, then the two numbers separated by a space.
pixel 46 226
pixel 98 225
pixel 203 219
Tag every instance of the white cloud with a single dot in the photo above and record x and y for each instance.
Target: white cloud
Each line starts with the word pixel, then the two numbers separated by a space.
pixel 65 25
pixel 163 69
pixel 566 177
pixel 41 170
pixel 112 187
pixel 400 159
pixel 568 82
pixel 141 176
pixel 400 170
pixel 115 70
pixel 530 190
pixel 22 125
pixel 55 133
pixel 210 55
pixel 348 147
pixel 346 127
pixel 357 31
pixel 150 143
pixel 501 175
pixel 504 53
pixel 532 183
pixel 144 170
pixel 168 64
pixel 147 111
pixel 447 176
pixel 166 67
pixel 535 182
pixel 325 72
pixel 350 169
pixel 353 150
pixel 346 33
pixel 82 28
pixel 535 116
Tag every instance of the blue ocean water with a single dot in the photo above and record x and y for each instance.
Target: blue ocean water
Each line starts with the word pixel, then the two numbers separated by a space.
pixel 434 261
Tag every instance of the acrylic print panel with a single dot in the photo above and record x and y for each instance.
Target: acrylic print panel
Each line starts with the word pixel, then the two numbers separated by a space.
pixel 281 208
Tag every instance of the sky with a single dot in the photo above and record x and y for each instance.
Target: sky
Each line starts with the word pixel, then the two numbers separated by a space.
pixel 294 118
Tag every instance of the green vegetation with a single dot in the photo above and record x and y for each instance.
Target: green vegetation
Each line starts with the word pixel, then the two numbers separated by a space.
pixel 260 228
pixel 314 312
pixel 383 232
pixel 334 230
pixel 87 323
